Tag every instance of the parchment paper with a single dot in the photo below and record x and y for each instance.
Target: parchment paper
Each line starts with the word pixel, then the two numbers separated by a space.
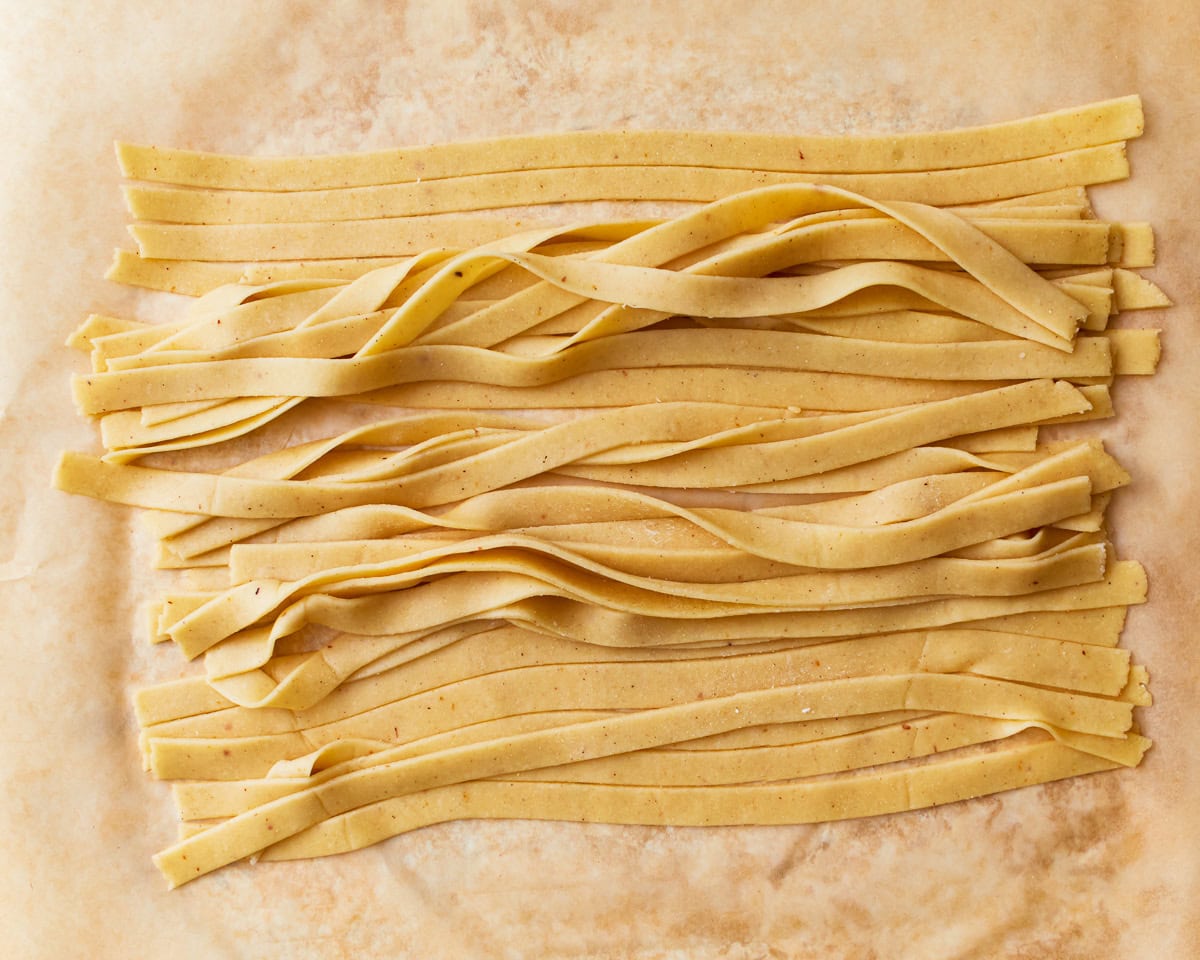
pixel 1100 867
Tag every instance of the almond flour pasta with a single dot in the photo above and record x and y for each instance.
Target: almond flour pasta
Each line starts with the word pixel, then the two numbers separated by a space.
pixel 780 501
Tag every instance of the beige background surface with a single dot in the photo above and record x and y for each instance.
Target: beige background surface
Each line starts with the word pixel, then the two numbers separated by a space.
pixel 1106 867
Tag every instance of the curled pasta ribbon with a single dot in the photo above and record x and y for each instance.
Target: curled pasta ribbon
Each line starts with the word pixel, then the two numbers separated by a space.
pixel 507 509
pixel 466 597
pixel 511 588
pixel 150 379
pixel 296 680
pixel 188 536
pixel 560 447
pixel 255 413
pixel 658 244
pixel 783 540
pixel 550 569
pixel 998 269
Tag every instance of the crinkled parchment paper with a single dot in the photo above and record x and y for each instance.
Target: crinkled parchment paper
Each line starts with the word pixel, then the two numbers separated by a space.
pixel 1100 867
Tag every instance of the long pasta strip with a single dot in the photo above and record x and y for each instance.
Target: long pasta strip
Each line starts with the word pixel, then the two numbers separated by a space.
pixel 556 447
pixel 613 388
pixel 489 191
pixel 466 597
pixel 562 572
pixel 727 217
pixel 176 376
pixel 785 541
pixel 249 832
pixel 189 534
pixel 330 836
pixel 1086 612
pixel 1032 243
pixel 127 436
pixel 237 743
pixel 672 767
pixel 1092 719
pixel 1104 122
pixel 948 781
pixel 534 506
pixel 1066 665
pixel 919 737
pixel 679 551
pixel 507 509
pixel 299 682
pixel 196 277
pixel 505 590
pixel 203 800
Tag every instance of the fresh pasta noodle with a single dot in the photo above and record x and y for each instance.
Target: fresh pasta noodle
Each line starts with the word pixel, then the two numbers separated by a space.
pixel 1105 122
pixel 1089 165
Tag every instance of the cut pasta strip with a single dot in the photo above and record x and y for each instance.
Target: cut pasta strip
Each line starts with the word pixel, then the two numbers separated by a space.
pixel 1066 665
pixel 1134 352
pixel 786 541
pixel 538 506
pixel 618 388
pixel 673 767
pixel 191 278
pixel 191 375
pixel 196 277
pixel 305 680
pixel 190 536
pixel 201 800
pixel 557 447
pixel 1136 244
pixel 556 601
pixel 522 188
pixel 99 325
pixel 549 569
pixel 1135 292
pixel 381 707
pixel 948 781
pixel 254 757
pixel 279 819
pixel 1104 122
pixel 987 360
pixel 466 597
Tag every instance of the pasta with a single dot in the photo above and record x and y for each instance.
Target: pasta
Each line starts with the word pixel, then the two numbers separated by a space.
pixel 755 511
